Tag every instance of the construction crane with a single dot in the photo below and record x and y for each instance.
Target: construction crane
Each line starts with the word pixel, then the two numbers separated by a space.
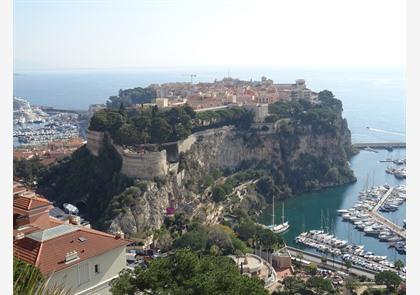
pixel 191 76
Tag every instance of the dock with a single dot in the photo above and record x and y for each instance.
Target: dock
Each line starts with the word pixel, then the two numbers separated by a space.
pixel 383 199
pixel 379 218
pixel 380 145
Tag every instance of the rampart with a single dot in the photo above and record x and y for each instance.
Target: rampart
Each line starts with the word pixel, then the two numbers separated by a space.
pixel 144 165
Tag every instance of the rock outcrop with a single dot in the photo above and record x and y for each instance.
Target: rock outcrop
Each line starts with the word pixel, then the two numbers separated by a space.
pixel 294 155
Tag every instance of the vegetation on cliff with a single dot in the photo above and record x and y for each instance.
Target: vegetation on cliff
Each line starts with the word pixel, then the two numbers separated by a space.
pixel 215 239
pixel 151 125
pixel 132 96
pixel 88 182
pixel 186 272
pixel 321 116
pixel 309 152
pixel 28 170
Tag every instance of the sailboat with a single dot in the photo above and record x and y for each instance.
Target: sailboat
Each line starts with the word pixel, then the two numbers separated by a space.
pixel 279 228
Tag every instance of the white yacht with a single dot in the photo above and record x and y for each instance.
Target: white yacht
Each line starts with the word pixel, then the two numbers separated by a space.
pixel 279 228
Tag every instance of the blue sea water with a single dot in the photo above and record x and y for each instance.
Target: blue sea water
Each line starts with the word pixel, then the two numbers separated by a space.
pixel 372 98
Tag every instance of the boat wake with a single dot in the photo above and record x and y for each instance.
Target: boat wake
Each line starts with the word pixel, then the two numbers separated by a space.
pixel 385 131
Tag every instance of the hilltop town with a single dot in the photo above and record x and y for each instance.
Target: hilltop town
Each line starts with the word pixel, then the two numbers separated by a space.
pixel 230 91
pixel 206 96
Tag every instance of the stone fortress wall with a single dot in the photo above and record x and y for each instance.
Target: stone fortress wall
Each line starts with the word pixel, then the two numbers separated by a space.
pixel 145 165
pixel 150 164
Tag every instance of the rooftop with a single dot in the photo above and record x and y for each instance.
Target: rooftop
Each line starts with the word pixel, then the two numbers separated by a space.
pixel 47 249
pixel 29 202
pixel 53 232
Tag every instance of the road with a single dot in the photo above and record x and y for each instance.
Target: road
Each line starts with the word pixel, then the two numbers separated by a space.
pixel 337 265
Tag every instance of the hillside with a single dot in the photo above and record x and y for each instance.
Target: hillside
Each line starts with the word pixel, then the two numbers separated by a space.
pixel 301 147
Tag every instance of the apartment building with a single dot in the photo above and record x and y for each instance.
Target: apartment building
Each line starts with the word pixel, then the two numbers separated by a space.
pixel 81 259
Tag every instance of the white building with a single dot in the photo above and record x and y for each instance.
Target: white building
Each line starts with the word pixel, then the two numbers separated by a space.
pixel 80 259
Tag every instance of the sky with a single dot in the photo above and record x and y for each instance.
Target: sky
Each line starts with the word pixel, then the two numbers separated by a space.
pixel 96 34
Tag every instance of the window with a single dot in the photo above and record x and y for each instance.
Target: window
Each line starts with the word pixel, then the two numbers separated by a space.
pixel 97 269
pixel 84 273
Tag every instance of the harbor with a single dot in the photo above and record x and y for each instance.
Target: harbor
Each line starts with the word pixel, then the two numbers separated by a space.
pixel 365 217
pixel 356 254
pixel 56 127
pixel 303 212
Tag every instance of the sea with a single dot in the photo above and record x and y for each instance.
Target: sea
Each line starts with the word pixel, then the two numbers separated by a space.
pixel 374 104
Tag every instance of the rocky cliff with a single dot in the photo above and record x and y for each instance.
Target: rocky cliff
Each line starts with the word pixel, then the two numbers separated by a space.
pixel 303 147
pixel 294 155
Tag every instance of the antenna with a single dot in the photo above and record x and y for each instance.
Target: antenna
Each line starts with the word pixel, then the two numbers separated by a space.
pixel 191 77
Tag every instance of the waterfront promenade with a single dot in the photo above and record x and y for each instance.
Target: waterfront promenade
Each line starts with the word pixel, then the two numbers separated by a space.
pixel 380 145
pixel 330 264
pixel 383 199
pixel 379 218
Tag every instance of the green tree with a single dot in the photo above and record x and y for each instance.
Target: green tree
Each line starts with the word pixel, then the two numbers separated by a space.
pixel 30 170
pixel 398 264
pixel 348 264
pixel 312 268
pixel 319 285
pixel 293 285
pixel 324 259
pixel 351 285
pixel 195 240
pixel 214 250
pixel 160 130
pixel 163 240
pixel 218 194
pixel 27 279
pixel 246 230
pixel 187 273
pixel 388 278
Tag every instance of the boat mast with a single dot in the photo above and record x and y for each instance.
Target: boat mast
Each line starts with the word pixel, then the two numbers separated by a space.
pixel 303 223
pixel 273 211
pixel 327 222
pixel 367 182
pixel 282 216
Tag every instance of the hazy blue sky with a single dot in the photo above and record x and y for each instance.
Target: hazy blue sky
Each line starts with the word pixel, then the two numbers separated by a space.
pixel 64 34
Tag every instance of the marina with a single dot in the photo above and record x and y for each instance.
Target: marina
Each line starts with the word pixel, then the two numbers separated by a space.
pixel 356 254
pixel 55 127
pixel 303 211
pixel 399 173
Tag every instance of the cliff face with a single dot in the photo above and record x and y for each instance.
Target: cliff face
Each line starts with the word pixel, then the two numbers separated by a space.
pixel 296 157
pixel 151 200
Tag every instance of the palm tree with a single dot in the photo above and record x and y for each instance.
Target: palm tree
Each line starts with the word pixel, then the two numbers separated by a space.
pixel 398 264
pixel 333 258
pixel 30 281
pixel 300 257
pixel 324 259
pixel 348 264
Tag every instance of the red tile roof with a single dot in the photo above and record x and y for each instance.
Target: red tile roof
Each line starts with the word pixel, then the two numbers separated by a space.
pixel 28 203
pixel 49 255
pixel 18 189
